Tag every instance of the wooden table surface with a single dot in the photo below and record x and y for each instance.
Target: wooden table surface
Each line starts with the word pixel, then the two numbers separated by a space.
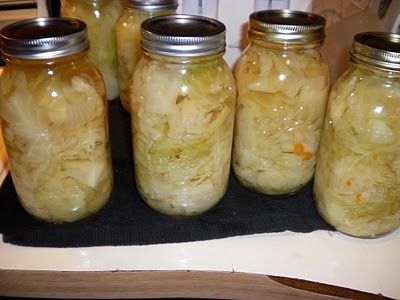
pixel 166 284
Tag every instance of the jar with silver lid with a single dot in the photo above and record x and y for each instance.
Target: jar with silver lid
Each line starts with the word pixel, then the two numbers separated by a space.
pixel 282 81
pixel 357 179
pixel 182 109
pixel 128 37
pixel 100 17
pixel 53 114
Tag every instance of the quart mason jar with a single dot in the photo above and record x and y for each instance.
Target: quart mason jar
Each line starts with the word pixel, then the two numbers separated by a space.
pixel 357 179
pixel 282 81
pixel 182 110
pixel 100 17
pixel 53 116
pixel 128 38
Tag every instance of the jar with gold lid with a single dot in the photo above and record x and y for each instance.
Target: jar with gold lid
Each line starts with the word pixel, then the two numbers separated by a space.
pixel 53 112
pixel 128 37
pixel 357 179
pixel 282 82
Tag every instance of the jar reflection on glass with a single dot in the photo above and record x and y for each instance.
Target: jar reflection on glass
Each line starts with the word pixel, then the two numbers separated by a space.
pixel 282 81
pixel 182 108
pixel 357 180
pixel 54 120
pixel 100 17
pixel 128 38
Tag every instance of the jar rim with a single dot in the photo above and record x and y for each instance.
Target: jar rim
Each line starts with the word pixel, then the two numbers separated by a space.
pixel 151 5
pixel 183 35
pixel 380 49
pixel 44 38
pixel 287 26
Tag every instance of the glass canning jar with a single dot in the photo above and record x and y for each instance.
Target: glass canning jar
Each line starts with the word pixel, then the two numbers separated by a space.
pixel 128 38
pixel 53 112
pixel 357 179
pixel 100 17
pixel 182 110
pixel 282 81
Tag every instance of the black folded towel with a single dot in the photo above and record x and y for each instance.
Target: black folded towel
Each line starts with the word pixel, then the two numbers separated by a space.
pixel 127 220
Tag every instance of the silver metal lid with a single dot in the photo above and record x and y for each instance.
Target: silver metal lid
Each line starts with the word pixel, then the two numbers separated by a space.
pixel 151 5
pixel 44 38
pixel 183 35
pixel 381 49
pixel 286 26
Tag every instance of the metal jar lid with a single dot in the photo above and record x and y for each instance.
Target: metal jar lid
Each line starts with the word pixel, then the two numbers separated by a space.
pixel 381 49
pixel 183 35
pixel 44 38
pixel 286 26
pixel 152 5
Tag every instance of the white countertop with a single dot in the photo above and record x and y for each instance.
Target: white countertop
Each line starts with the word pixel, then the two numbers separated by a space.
pixel 321 256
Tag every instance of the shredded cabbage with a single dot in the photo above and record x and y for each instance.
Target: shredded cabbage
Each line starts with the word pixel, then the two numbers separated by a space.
pixel 279 114
pixel 128 37
pixel 100 18
pixel 182 124
pixel 55 131
pixel 357 180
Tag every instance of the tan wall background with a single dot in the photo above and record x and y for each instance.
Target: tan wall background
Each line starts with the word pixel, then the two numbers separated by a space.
pixel 335 10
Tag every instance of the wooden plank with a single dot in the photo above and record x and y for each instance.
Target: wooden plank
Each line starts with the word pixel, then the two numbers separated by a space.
pixel 165 284
pixel 16 15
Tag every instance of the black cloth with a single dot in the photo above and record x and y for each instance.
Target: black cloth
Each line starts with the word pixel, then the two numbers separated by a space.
pixel 127 220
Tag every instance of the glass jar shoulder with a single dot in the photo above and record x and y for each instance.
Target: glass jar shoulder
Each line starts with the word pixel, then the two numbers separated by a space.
pixel 259 58
pixel 279 71
pixel 53 85
pixel 362 118
pixel 192 76
pixel 363 93
pixel 196 97
pixel 283 83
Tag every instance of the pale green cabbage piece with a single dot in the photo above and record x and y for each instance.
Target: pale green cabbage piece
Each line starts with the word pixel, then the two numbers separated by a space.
pixel 357 182
pixel 182 124
pixel 279 115
pixel 55 131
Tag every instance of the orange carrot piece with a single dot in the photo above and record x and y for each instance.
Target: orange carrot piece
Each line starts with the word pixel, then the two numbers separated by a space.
pixel 298 149
pixel 358 198
pixel 307 155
